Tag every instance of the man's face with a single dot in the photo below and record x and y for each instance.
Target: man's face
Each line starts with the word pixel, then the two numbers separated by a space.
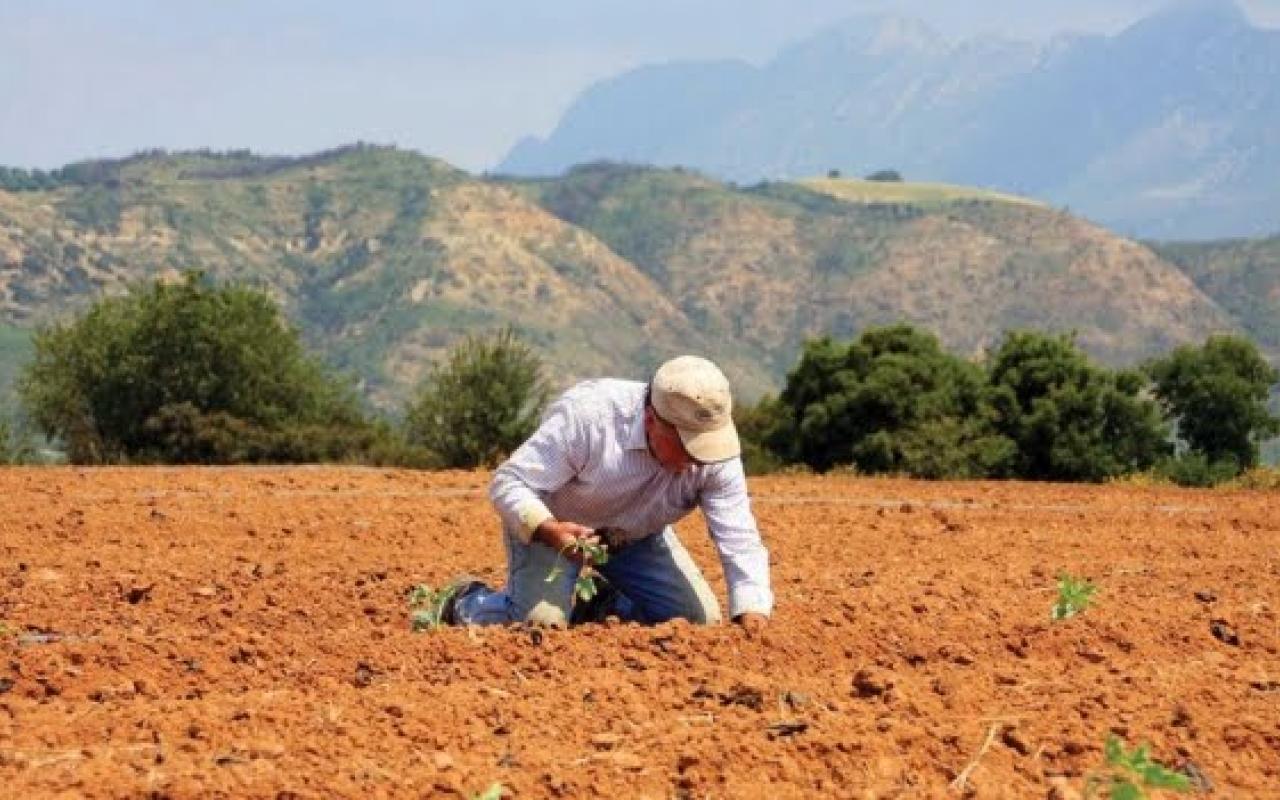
pixel 665 444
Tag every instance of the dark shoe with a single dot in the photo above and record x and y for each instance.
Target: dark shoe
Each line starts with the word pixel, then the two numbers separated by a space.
pixel 601 605
pixel 434 608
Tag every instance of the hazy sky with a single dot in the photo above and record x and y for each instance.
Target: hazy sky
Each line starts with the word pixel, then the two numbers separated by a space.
pixel 461 80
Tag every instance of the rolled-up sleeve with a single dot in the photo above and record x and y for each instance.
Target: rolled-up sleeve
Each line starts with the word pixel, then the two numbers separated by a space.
pixel 546 461
pixel 732 526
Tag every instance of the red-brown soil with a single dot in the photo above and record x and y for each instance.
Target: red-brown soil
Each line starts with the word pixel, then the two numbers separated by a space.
pixel 244 633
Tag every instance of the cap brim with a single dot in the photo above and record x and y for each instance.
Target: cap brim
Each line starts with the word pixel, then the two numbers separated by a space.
pixel 711 447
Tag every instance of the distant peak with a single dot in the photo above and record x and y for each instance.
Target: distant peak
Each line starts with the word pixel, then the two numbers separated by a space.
pixel 1195 18
pixel 871 35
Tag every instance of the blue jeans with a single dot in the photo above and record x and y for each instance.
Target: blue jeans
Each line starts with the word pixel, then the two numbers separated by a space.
pixel 655 576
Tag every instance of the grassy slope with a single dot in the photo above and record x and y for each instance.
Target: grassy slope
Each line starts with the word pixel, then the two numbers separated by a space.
pixel 929 195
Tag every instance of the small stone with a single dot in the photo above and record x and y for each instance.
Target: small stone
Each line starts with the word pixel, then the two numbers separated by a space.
pixel 1060 788
pixel 442 760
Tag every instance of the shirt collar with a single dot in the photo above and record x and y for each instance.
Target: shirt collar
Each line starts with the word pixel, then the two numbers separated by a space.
pixel 633 436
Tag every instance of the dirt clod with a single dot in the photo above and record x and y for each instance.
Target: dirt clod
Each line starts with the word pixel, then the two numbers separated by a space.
pixel 871 682
pixel 1223 632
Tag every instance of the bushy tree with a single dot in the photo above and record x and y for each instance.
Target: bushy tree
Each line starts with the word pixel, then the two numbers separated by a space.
pixel 14 447
pixel 885 176
pixel 1217 393
pixel 1071 420
pixel 187 372
pixel 478 406
pixel 887 402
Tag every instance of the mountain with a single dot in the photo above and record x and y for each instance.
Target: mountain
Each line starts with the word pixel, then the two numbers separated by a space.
pixel 1169 129
pixel 1243 277
pixel 382 258
pixel 385 258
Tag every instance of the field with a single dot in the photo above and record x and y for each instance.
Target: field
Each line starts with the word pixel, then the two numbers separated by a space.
pixel 243 633
pixel 925 194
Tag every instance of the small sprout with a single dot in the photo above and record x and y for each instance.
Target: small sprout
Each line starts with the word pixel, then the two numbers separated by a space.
pixel 593 555
pixel 1129 775
pixel 426 605
pixel 1074 595
pixel 496 791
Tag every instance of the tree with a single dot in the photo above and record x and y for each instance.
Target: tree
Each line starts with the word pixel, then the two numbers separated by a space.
pixel 478 406
pixel 891 401
pixel 14 447
pixel 1217 393
pixel 1071 420
pixel 187 372
pixel 886 176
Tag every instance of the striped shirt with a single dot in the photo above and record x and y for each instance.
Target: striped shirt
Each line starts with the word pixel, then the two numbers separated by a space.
pixel 589 463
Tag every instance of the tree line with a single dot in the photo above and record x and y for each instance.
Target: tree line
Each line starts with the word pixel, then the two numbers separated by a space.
pixel 197 373
pixel 1036 407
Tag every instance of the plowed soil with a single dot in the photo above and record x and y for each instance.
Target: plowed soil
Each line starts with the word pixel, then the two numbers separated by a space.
pixel 244 633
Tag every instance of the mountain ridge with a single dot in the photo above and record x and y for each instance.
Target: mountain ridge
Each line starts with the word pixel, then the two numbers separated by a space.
pixel 385 258
pixel 1162 130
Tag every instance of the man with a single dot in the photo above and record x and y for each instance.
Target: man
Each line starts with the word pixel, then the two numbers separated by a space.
pixel 632 459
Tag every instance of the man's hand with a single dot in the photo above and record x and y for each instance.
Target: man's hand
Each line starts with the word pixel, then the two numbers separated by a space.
pixel 561 536
pixel 752 622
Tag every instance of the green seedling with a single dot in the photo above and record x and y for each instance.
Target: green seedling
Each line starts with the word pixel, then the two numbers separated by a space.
pixel 1074 596
pixel 593 555
pixel 496 791
pixel 1130 775
pixel 426 605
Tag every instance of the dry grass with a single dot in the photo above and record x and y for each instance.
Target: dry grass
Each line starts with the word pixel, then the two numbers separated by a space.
pixel 914 193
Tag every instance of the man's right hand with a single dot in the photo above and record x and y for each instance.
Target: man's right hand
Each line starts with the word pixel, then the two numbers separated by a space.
pixel 561 536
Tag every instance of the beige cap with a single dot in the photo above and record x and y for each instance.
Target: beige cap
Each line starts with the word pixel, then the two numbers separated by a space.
pixel 692 394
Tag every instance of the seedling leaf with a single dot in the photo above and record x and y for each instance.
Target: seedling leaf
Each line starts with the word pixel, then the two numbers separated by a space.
pixel 593 555
pixel 1074 596
pixel 1130 774
pixel 494 792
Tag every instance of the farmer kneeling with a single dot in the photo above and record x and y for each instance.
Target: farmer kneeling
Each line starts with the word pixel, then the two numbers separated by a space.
pixel 616 463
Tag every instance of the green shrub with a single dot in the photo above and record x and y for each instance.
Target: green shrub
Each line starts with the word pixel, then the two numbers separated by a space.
pixel 481 404
pixel 1194 469
pixel 1070 419
pixel 884 403
pixel 188 373
pixel 1218 395
pixel 15 448
pixel 1257 478
pixel 755 424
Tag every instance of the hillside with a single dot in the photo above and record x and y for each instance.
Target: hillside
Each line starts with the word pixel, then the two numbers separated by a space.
pixel 384 258
pixel 1167 129
pixel 774 264
pixel 1243 276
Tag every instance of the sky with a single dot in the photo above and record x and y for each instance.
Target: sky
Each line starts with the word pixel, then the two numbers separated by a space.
pixel 461 80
